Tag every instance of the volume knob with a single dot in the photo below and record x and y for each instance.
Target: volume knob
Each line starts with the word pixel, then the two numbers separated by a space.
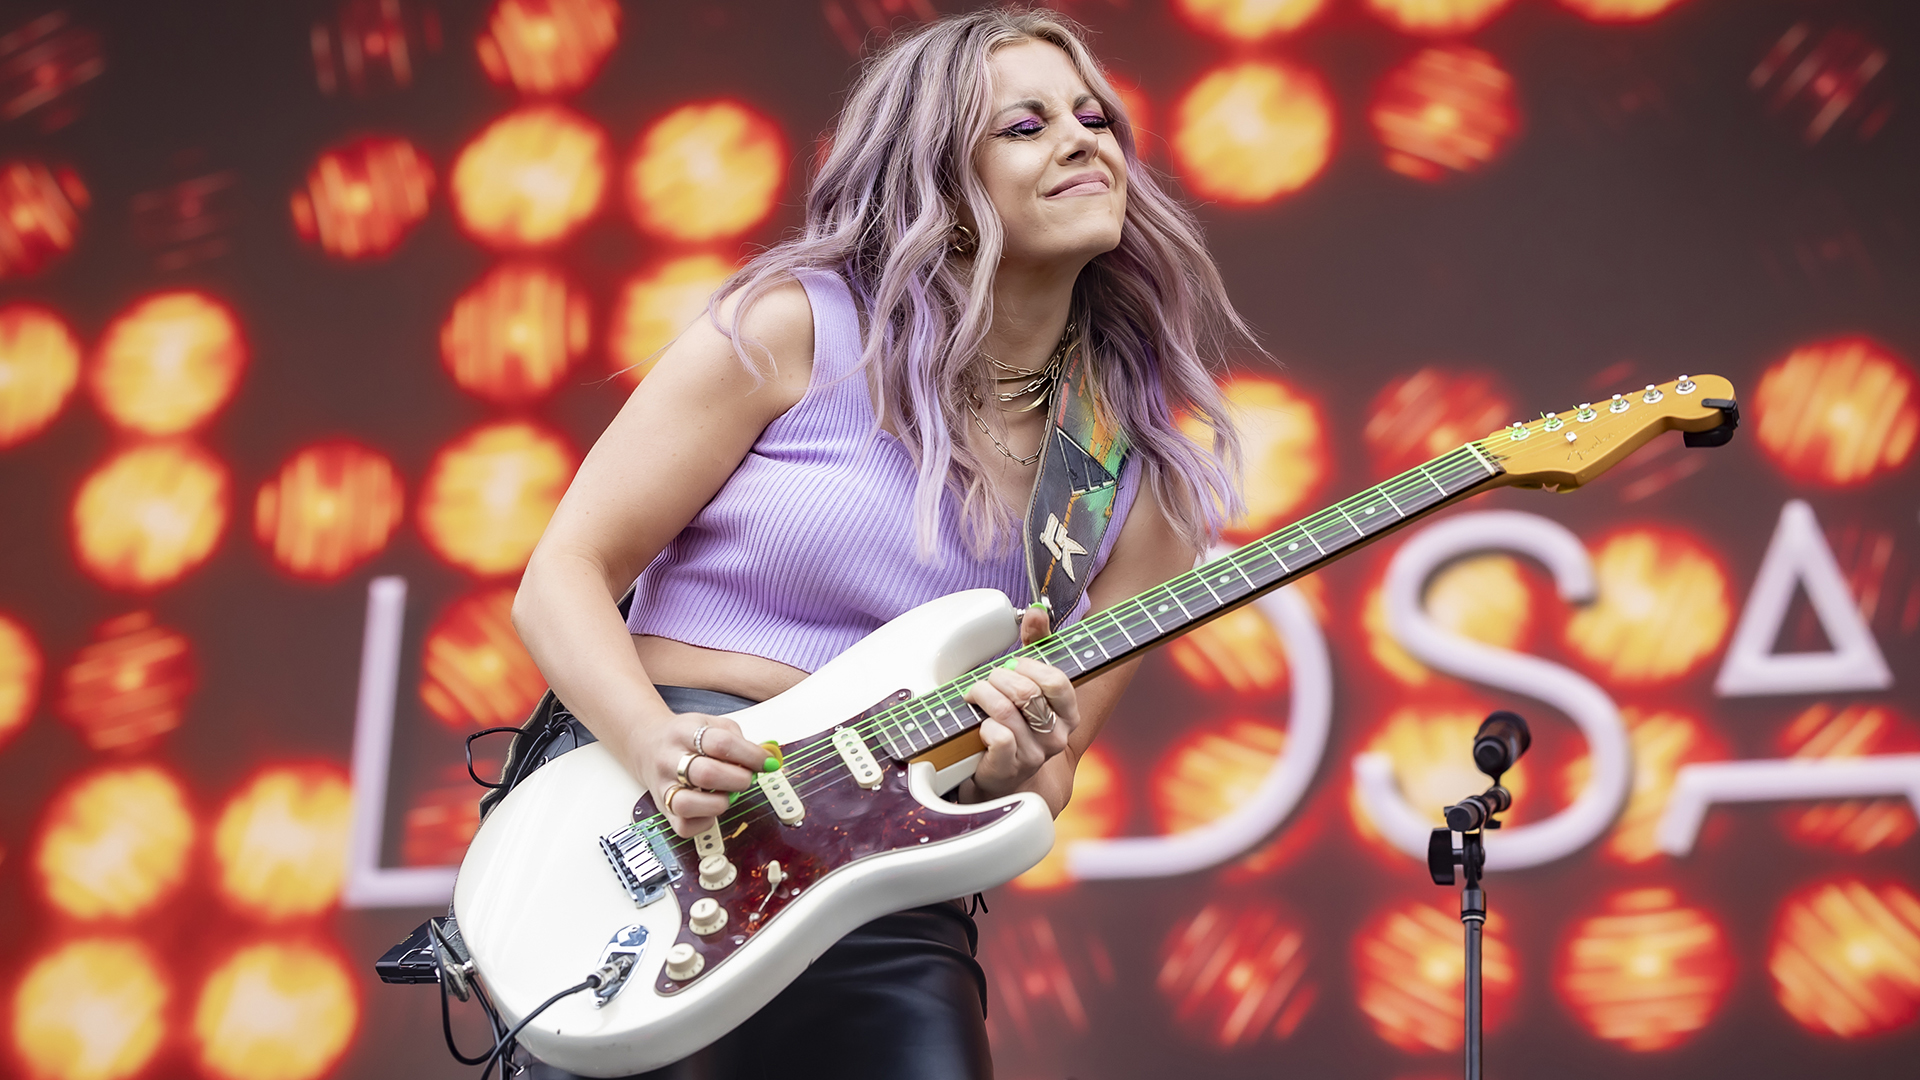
pixel 716 873
pixel 683 962
pixel 706 917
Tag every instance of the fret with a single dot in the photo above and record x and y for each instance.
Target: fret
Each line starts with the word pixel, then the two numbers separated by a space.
pixel 1147 609
pixel 1334 535
pixel 1388 495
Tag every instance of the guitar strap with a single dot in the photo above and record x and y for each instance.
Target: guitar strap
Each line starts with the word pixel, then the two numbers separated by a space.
pixel 1073 495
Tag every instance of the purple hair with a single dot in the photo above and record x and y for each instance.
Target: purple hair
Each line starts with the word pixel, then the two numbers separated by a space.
pixel 881 213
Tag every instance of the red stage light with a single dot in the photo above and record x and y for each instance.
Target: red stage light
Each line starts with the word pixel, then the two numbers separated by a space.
pixel 1286 454
pixel 130 684
pixel 1845 958
pixel 1620 11
pixel 706 171
pixel 1411 967
pixel 1425 414
pixel 1437 17
pixel 20 669
pixel 1838 412
pixel 167 363
pixel 281 843
pixel 511 337
pixel 1211 770
pixel 1856 826
pixel 1648 973
pixel 330 508
pixel 363 198
pixel 1251 132
pixel 39 364
pixel 1483 597
pixel 115 843
pixel 92 1009
pixel 1239 652
pixel 1236 977
pixel 1249 20
pixel 150 514
pixel 1033 983
pixel 1826 80
pixel 441 820
pixel 1448 108
pixel 373 41
pixel 548 46
pixel 39 215
pixel 1664 608
pixel 531 178
pixel 1097 810
pixel 474 671
pixel 1662 743
pixel 275 1012
pixel 655 307
pixel 41 66
pixel 489 493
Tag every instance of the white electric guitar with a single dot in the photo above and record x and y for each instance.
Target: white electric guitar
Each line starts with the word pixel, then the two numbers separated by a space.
pixel 575 869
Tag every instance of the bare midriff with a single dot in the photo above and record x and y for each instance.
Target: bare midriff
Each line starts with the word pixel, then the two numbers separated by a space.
pixel 676 663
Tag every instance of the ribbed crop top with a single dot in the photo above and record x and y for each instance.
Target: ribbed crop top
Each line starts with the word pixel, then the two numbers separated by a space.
pixel 809 545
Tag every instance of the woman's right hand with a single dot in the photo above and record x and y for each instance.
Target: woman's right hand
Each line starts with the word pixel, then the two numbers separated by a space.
pixel 727 765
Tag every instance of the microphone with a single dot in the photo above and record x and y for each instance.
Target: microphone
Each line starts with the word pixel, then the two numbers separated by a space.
pixel 1502 738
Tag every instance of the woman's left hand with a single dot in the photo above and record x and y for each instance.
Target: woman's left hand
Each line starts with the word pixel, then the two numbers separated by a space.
pixel 1031 711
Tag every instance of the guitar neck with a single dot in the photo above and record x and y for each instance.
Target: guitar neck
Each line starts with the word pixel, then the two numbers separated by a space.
pixel 1116 634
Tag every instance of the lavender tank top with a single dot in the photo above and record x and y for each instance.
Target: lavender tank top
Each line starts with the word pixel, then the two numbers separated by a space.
pixel 809 545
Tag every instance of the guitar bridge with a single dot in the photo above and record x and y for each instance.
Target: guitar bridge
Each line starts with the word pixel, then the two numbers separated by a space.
pixel 642 861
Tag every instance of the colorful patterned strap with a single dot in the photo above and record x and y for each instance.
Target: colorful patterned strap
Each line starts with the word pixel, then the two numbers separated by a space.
pixel 1073 495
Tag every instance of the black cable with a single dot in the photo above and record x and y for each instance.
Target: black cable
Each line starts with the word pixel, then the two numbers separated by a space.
pixel 506 1045
pixel 446 1028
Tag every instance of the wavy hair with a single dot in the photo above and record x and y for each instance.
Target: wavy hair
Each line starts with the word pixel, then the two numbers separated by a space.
pixel 881 211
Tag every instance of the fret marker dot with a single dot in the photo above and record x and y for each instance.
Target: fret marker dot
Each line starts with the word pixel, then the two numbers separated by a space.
pixel 1369 509
pixel 1224 579
pixel 1163 607
pixel 1295 546
pixel 1088 655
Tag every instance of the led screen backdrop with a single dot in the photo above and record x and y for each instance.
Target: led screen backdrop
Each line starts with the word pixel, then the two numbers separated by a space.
pixel 308 311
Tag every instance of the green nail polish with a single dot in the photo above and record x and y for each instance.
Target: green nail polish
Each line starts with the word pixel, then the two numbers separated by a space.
pixel 770 765
pixel 1010 663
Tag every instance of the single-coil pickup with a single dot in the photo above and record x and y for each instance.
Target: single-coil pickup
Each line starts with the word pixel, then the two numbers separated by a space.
pixel 708 841
pixel 785 800
pixel 643 868
pixel 853 751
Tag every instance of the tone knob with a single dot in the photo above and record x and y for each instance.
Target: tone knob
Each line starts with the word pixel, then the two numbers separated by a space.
pixel 683 962
pixel 706 916
pixel 716 872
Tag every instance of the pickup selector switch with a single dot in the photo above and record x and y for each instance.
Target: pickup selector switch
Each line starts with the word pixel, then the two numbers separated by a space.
pixel 706 917
pixel 684 962
pixel 716 873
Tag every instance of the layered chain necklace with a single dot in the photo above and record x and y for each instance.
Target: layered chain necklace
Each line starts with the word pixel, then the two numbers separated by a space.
pixel 1038 382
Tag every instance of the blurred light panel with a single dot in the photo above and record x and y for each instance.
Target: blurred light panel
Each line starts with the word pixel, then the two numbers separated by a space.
pixel 1449 109
pixel 1664 608
pixel 1620 11
pixel 474 671
pixel 1286 455
pixel 513 335
pixel 1845 958
pixel 1239 652
pixel 1662 742
pixel 1428 413
pixel 280 845
pixel 167 363
pixel 548 46
pixel 1648 972
pixel 115 843
pixel 1211 770
pixel 1431 748
pixel 489 493
pixel 329 509
pixel 1034 985
pixel 656 306
pixel 1252 132
pixel 531 178
pixel 39 365
pixel 1097 810
pixel 1436 18
pixel 1410 969
pixel 1855 826
pixel 1237 976
pixel 20 670
pixel 130 684
pixel 150 514
pixel 440 821
pixel 39 215
pixel 706 171
pixel 362 199
pixel 92 1009
pixel 1483 597
pixel 275 1012
pixel 1248 20
pixel 1838 413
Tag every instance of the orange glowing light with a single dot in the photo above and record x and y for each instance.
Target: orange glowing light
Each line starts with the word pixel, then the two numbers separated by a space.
pixel 1664 608
pixel 475 672
pixel 1235 977
pixel 1845 958
pixel 93 1009
pixel 655 307
pixel 39 215
pixel 706 171
pixel 115 843
pixel 441 821
pixel 1484 597
pixel 512 336
pixel 1411 968
pixel 1249 20
pixel 1648 973
pixel 489 493
pixel 1449 108
pixel 1436 18
pixel 39 364
pixel 1283 437
pixel 20 668
pixel 1033 983
pixel 1239 652
pixel 1838 412
pixel 1432 754
pixel 531 177
pixel 1619 11
pixel 275 1012
pixel 1425 414
pixel 1662 742
pixel 130 684
pixel 150 514
pixel 281 842
pixel 1096 811
pixel 1252 132
pixel 330 508
pixel 168 363
pixel 1211 770
pixel 1856 826
pixel 548 46
pixel 364 198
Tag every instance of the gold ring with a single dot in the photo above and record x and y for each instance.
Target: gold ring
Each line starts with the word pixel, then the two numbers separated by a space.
pixel 666 799
pixel 1043 724
pixel 686 762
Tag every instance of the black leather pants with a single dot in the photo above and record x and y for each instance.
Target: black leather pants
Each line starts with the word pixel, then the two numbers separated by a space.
pixel 900 998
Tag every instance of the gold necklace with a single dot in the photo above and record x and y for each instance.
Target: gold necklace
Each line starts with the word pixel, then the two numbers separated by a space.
pixel 1042 381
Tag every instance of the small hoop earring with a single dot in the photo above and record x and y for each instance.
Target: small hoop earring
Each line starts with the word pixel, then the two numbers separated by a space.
pixel 965 242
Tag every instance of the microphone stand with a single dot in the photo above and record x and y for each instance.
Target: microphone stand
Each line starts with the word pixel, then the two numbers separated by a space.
pixel 1468 817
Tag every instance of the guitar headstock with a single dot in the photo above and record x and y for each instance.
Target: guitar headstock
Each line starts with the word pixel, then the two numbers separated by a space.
pixel 1561 451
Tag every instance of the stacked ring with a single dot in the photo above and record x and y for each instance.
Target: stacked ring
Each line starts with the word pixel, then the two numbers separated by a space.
pixel 699 734
pixel 686 762
pixel 666 798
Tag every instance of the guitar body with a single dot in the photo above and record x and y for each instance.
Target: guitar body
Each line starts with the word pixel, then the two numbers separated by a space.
pixel 538 901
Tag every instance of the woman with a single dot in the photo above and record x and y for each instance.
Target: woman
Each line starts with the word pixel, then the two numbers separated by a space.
pixel 853 432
